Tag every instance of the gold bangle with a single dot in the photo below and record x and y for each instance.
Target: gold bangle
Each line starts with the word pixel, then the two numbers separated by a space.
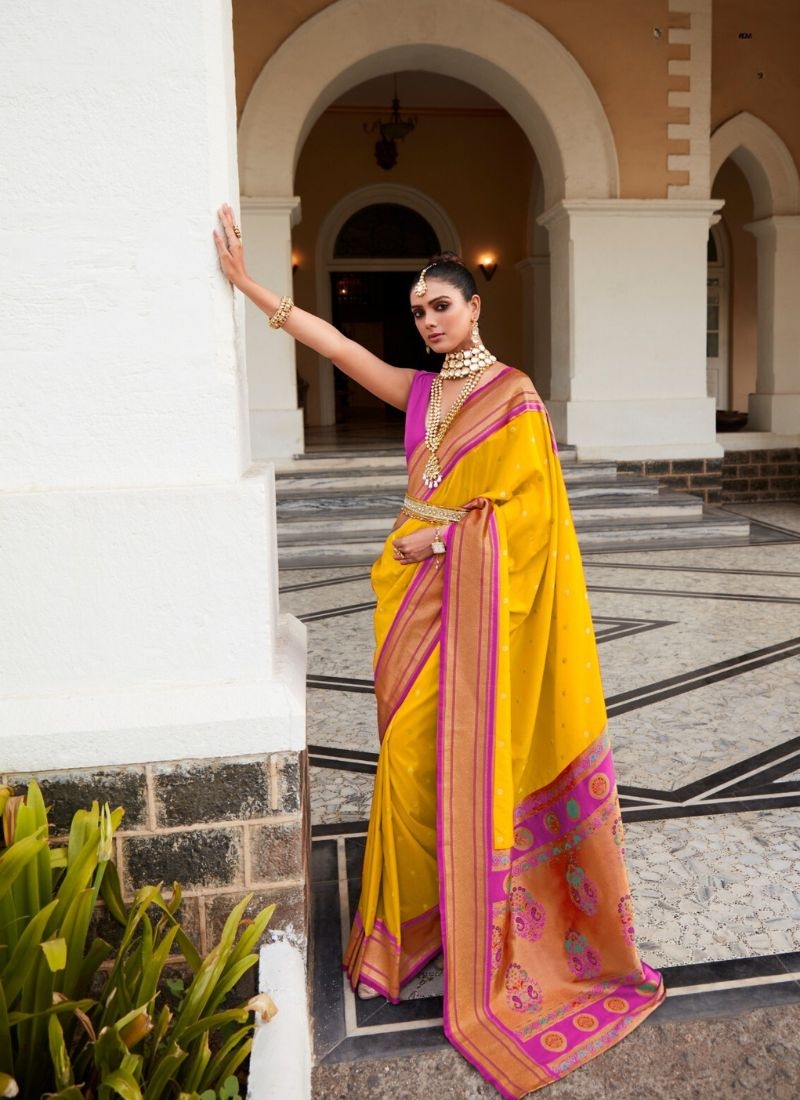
pixel 278 318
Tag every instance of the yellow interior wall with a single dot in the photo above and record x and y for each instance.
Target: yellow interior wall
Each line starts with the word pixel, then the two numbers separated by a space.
pixel 478 169
pixel 732 186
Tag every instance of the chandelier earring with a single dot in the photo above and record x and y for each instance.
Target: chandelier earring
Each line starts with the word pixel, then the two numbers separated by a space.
pixel 476 336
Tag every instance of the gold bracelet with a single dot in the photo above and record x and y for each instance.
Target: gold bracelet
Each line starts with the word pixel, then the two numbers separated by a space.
pixel 278 318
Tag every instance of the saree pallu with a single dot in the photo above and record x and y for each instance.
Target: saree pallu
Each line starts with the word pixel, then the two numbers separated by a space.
pixel 495 833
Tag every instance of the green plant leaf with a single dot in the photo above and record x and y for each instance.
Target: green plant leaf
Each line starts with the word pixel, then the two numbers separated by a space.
pixel 234 1058
pixel 6 1048
pixel 121 1083
pixel 111 893
pixel 18 968
pixel 15 859
pixel 225 1062
pixel 98 952
pixel 218 1020
pixel 75 929
pixel 200 1057
pixel 230 1089
pixel 62 1067
pixel 55 951
pixel 163 1072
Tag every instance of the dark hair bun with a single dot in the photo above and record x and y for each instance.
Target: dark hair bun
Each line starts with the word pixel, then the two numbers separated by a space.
pixel 446 258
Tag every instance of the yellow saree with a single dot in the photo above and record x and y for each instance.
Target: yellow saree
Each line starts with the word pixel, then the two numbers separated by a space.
pixel 495 831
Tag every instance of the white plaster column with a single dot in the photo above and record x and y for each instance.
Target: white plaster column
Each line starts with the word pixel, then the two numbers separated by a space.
pixel 775 406
pixel 138 575
pixel 628 312
pixel 535 272
pixel 276 423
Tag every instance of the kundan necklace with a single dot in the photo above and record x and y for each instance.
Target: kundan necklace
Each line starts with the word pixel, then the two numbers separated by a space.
pixel 458 364
pixel 435 427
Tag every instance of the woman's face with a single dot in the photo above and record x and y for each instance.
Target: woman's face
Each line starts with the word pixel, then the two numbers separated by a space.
pixel 443 317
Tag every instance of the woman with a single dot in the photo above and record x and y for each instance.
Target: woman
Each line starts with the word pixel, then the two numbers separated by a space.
pixel 495 835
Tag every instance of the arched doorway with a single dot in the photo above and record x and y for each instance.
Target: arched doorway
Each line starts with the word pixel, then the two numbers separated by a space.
pixel 747 154
pixel 387 228
pixel 375 256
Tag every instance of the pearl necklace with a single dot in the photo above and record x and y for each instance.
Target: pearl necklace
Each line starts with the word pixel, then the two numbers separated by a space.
pixel 435 427
pixel 458 364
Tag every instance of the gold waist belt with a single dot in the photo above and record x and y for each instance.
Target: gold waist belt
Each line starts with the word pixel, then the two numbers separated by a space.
pixel 429 513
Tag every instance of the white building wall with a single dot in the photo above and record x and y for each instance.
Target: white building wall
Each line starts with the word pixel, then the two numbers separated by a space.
pixel 138 572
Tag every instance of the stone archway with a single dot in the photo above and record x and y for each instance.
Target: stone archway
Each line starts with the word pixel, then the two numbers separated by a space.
pixel 766 162
pixel 774 181
pixel 519 63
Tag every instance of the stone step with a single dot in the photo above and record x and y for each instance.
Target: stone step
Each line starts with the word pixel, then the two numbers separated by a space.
pixel 348 519
pixel 596 536
pixel 347 480
pixel 387 501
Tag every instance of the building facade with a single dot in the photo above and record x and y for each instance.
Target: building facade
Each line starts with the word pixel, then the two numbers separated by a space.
pixel 631 167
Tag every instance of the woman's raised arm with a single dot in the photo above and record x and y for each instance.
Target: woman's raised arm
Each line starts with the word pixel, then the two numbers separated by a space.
pixel 390 384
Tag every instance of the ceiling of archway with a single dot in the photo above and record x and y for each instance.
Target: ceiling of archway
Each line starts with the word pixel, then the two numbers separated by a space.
pixel 417 90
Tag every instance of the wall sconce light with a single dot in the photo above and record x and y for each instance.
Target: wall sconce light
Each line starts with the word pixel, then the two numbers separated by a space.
pixel 488 266
pixel 295 263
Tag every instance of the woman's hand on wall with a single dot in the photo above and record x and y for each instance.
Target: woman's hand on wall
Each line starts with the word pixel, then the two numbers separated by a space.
pixel 229 247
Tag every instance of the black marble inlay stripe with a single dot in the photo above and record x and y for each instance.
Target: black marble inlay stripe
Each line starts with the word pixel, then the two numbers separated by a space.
pixel 330 829
pixel 336 612
pixel 341 683
pixel 328 582
pixel 784 757
pixel 701 677
pixel 626 628
pixel 740 788
pixel 709 809
pixel 348 754
pixel 735 597
pixel 718 569
pixel 343 760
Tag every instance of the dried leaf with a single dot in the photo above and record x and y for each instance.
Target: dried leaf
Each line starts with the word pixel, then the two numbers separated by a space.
pixel 264 1005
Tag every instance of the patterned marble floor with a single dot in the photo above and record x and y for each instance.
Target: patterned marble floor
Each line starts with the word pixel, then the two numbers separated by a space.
pixel 700 651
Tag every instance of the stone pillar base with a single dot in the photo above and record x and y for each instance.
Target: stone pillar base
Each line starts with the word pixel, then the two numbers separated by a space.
pixel 641 429
pixel 774 412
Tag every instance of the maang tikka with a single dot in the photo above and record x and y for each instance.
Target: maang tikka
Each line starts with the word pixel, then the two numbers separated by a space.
pixel 421 287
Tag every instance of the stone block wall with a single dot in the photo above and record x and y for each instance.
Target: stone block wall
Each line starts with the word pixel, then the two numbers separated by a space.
pixel 701 477
pixel 222 828
pixel 761 475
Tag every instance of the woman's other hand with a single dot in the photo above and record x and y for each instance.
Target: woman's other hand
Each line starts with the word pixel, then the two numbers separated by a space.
pixel 229 247
pixel 416 547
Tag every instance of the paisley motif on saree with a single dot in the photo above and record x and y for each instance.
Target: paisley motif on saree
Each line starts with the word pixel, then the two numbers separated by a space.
pixel 495 829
